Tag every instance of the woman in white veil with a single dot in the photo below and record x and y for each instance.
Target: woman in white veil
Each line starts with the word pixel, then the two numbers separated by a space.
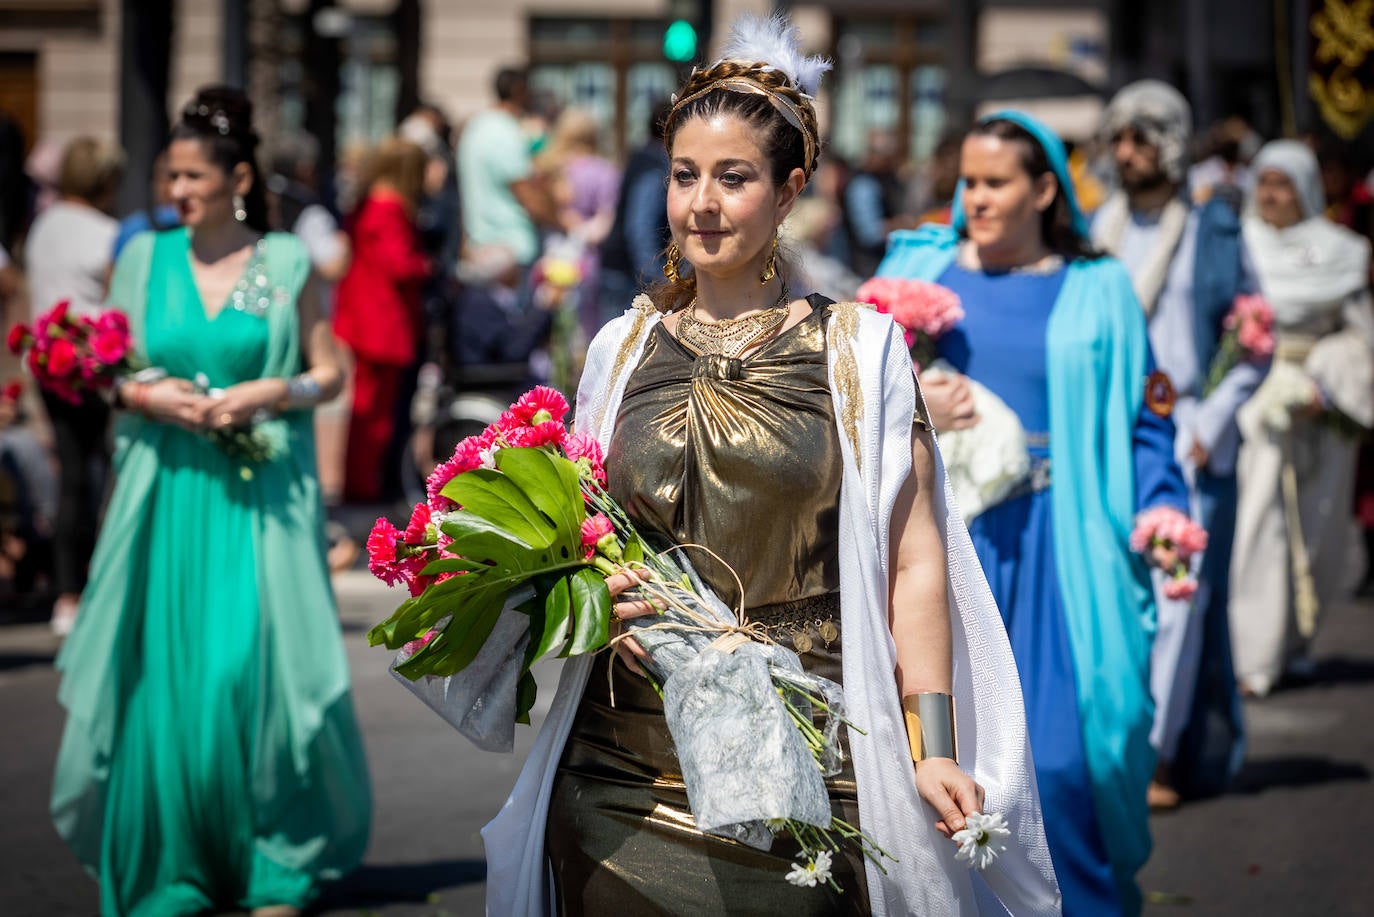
pixel 1296 471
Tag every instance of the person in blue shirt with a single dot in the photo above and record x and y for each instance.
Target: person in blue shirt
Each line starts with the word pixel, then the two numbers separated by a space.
pixel 1054 329
pixel 160 213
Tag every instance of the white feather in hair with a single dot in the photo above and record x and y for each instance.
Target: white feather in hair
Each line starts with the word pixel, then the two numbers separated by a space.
pixel 774 41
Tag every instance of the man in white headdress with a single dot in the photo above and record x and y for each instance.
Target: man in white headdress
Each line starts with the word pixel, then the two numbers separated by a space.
pixel 1187 265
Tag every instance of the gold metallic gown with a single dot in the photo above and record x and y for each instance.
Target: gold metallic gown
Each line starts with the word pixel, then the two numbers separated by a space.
pixel 742 456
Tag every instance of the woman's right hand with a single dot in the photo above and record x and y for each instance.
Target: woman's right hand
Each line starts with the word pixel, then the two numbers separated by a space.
pixel 628 649
pixel 173 401
pixel 949 399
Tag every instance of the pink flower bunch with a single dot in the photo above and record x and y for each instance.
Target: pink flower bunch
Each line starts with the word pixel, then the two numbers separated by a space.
pixel 1252 320
pixel 919 306
pixel 400 556
pixel 72 355
pixel 1164 526
pixel 535 420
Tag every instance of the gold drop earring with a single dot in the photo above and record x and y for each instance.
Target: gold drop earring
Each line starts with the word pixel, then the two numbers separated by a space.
pixel 770 267
pixel 671 262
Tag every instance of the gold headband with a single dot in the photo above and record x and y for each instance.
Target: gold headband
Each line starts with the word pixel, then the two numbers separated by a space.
pixel 785 107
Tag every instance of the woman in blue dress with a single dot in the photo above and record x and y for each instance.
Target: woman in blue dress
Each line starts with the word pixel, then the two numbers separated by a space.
pixel 1055 331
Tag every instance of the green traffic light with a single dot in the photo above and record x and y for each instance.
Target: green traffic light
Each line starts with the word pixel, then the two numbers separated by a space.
pixel 680 41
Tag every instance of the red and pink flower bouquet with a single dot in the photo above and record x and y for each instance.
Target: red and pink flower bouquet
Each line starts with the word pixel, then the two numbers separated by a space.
pixel 75 355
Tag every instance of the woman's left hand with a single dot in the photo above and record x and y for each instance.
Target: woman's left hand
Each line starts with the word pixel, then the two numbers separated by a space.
pixel 952 793
pixel 238 404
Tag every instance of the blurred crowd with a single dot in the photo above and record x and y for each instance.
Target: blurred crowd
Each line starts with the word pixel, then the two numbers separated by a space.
pixel 462 263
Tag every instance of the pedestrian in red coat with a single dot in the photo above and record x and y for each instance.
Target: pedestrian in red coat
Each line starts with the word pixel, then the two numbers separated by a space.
pixel 379 312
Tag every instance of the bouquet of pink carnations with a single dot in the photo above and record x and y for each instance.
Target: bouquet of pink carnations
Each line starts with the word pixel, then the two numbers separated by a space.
pixel 506 561
pixel 1166 527
pixel 1247 334
pixel 72 356
pixel 925 311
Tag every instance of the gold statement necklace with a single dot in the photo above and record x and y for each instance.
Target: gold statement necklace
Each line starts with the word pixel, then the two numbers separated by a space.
pixel 731 337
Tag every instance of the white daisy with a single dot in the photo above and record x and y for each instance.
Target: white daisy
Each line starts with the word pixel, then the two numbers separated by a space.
pixel 813 873
pixel 982 840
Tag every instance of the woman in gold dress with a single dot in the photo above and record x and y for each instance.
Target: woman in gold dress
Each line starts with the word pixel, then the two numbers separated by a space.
pixel 738 427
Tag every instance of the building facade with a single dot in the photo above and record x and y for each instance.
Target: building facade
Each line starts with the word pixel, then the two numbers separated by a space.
pixel 346 69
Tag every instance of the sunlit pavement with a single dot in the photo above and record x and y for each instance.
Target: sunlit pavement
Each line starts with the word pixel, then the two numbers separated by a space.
pixel 1295 837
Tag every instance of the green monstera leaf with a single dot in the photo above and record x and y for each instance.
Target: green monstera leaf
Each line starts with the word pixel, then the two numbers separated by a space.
pixel 520 524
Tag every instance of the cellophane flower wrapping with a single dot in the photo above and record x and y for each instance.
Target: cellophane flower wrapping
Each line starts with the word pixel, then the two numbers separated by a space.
pixel 743 761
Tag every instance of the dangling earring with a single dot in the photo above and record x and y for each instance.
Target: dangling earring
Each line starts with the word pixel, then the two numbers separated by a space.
pixel 770 267
pixel 240 213
pixel 671 262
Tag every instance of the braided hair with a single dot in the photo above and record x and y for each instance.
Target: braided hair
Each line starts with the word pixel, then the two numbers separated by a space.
pixel 784 146
pixel 221 119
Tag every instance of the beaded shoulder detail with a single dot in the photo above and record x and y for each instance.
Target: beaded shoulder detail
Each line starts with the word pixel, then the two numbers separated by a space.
pixel 254 293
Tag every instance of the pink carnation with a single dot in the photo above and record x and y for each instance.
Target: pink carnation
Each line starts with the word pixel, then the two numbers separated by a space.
pixel 548 433
pixel 61 358
pixel 585 451
pixel 595 528
pixel 1252 318
pixel 473 452
pixel 919 306
pixel 417 530
pixel 1180 588
pixel 538 401
pixel 109 345
pixel 1167 525
pixel 112 320
pixel 383 544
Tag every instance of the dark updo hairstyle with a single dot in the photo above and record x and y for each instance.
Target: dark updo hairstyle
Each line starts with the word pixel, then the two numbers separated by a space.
pixel 221 118
pixel 782 144
pixel 1056 223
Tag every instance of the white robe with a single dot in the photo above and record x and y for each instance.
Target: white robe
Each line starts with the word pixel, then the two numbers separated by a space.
pixel 1315 276
pixel 993 743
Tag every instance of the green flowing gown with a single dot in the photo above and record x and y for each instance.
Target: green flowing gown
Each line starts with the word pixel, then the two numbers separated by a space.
pixel 211 757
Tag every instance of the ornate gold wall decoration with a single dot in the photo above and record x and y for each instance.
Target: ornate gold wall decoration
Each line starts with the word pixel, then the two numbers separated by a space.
pixel 1342 71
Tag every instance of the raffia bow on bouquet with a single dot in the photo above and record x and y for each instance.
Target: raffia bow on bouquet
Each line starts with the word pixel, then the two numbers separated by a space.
pixel 506 563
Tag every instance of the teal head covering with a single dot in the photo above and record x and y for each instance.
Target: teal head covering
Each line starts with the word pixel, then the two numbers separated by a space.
pixel 1059 162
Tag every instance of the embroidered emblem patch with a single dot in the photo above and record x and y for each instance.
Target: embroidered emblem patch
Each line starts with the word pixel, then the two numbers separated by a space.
pixel 1159 394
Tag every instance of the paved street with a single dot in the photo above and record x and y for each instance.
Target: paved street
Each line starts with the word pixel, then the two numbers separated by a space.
pixel 1293 839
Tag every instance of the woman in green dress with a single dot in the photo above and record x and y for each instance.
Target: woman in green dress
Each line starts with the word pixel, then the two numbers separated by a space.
pixel 211 757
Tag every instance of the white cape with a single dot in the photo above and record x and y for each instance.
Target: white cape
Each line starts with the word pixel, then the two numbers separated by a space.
pixel 993 743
